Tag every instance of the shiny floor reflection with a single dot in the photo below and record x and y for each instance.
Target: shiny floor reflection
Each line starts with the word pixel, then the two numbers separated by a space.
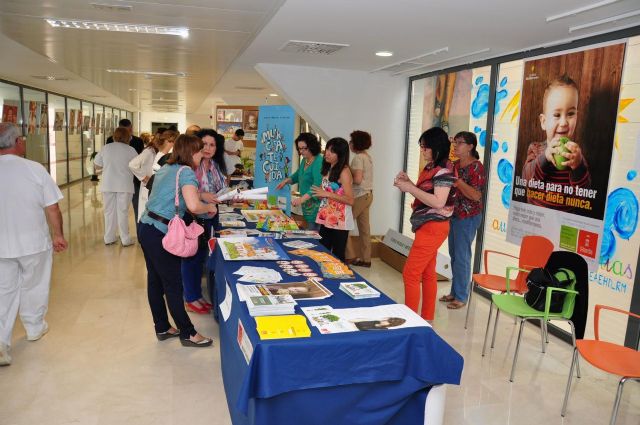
pixel 101 363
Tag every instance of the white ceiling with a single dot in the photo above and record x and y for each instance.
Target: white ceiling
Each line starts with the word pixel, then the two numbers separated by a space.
pixel 228 37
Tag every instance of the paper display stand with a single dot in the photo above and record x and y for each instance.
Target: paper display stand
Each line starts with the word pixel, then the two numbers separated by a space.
pixel 395 248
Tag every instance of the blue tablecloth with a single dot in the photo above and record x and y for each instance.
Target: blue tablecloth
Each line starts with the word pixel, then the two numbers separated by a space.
pixel 374 377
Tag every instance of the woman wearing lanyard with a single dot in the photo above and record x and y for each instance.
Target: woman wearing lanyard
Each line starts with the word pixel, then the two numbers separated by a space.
pixel 211 175
pixel 164 279
pixel 432 210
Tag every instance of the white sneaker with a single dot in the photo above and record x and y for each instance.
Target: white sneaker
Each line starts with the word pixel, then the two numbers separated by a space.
pixel 42 333
pixel 5 358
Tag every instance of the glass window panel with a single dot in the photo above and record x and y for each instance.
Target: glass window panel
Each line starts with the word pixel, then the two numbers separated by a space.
pixel 453 101
pixel 98 113
pixel 10 102
pixel 108 122
pixel 74 139
pixel 87 134
pixel 58 139
pixel 35 125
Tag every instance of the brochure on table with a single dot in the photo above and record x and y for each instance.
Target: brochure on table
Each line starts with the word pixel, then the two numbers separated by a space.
pixel 379 318
pixel 242 249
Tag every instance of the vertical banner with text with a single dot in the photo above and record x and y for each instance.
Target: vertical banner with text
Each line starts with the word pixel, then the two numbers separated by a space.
pixel 274 151
pixel 565 140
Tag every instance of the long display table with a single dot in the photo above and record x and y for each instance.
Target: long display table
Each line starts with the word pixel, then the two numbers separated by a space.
pixel 366 377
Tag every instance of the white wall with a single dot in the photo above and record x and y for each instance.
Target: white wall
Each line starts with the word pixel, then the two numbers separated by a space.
pixel 203 120
pixel 146 118
pixel 336 102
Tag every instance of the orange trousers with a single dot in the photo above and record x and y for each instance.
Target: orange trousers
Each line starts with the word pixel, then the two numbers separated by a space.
pixel 420 269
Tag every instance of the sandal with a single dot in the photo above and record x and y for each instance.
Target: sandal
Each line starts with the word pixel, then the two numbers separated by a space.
pixel 360 263
pixel 204 342
pixel 455 305
pixel 446 298
pixel 167 334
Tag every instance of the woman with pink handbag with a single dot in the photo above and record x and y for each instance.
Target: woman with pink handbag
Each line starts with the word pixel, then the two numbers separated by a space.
pixel 175 190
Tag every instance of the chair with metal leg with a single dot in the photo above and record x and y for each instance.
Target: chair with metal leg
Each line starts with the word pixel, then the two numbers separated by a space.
pixel 517 306
pixel 609 357
pixel 534 252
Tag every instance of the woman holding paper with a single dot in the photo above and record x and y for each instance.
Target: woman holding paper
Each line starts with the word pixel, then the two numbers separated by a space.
pixel 306 176
pixel 211 176
pixel 432 210
pixel 336 197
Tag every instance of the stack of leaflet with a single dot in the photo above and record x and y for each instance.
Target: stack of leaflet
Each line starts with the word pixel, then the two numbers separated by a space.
pixel 263 303
pixel 358 290
pixel 270 305
pixel 258 274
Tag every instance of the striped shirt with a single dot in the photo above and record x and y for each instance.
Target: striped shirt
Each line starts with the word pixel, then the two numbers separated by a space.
pixel 430 178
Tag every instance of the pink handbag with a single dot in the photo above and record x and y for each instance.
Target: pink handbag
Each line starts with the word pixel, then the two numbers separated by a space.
pixel 181 240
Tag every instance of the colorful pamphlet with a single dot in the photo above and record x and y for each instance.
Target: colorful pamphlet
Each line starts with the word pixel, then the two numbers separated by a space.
pixel 242 249
pixel 253 216
pixel 278 327
pixel 330 266
pixel 309 289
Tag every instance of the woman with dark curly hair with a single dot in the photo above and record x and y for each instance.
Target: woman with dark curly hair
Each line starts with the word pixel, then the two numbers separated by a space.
pixel 212 177
pixel 432 210
pixel 362 170
pixel 336 197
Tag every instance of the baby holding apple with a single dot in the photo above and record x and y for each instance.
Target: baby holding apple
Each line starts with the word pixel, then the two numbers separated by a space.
pixel 559 158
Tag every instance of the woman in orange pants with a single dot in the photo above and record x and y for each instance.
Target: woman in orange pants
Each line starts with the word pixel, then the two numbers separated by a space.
pixel 432 210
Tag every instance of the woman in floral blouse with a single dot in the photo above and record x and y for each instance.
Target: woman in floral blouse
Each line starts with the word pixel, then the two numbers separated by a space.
pixel 336 197
pixel 467 215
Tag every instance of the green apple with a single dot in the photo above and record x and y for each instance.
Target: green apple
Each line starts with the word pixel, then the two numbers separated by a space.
pixel 558 158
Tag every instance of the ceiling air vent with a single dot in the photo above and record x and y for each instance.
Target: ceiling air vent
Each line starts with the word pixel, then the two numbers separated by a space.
pixel 255 88
pixel 312 47
pixel 112 7
pixel 49 77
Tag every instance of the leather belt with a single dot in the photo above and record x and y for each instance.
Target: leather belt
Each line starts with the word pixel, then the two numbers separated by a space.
pixel 157 217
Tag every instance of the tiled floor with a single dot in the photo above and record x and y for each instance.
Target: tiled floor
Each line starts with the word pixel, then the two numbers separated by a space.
pixel 100 364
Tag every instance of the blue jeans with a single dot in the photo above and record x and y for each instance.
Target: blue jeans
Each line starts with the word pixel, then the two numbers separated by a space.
pixel 461 236
pixel 192 267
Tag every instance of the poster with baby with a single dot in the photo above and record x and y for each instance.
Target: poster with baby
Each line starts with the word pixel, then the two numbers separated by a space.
pixel 568 110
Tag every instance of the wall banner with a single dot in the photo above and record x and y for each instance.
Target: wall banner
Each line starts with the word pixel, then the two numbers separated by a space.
pixel 274 150
pixel 568 116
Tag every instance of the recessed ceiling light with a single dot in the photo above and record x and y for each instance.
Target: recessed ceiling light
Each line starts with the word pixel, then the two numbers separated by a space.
pixel 273 95
pixel 384 53
pixel 156 73
pixel 118 27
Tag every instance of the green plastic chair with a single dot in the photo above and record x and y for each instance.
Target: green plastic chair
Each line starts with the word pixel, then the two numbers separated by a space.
pixel 516 306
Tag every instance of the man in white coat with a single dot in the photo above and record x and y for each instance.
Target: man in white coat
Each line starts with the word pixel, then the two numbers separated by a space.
pixel 29 197
pixel 117 186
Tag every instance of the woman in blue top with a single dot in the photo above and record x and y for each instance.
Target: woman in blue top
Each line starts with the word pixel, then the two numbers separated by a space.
pixel 212 177
pixel 307 175
pixel 164 279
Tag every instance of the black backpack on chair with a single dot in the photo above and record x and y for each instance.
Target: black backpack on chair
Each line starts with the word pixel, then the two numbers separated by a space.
pixel 540 279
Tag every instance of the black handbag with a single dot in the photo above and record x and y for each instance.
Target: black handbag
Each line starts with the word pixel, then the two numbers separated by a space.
pixel 539 280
